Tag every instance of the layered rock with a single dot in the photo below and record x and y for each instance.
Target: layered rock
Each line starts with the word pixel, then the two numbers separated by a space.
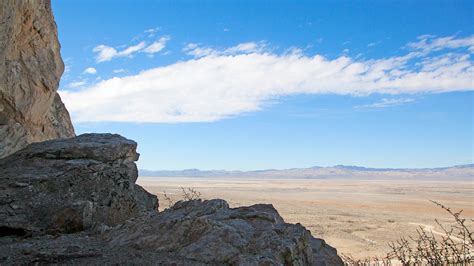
pixel 190 233
pixel 30 69
pixel 69 185
pixel 209 232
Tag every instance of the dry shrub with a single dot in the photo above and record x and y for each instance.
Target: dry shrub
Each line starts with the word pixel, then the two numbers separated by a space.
pixel 453 247
pixel 187 194
pixel 367 261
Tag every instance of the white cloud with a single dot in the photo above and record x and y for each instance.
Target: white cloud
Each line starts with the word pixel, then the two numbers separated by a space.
pixel 388 103
pixel 372 44
pixel 157 46
pixel 243 48
pixel 107 53
pixel 77 84
pixel 121 70
pixel 429 43
pixel 132 49
pixel 228 82
pixel 90 70
pixel 104 53
pixel 67 68
pixel 151 32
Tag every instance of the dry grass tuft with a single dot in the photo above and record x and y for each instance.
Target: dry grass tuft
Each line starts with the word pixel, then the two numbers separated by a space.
pixel 187 194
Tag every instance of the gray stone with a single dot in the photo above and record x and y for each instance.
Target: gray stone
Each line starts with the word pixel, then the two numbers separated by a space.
pixel 190 233
pixel 69 185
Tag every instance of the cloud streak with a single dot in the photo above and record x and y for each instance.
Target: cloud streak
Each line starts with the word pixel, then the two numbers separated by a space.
pixel 196 51
pixel 387 103
pixel 106 53
pixel 90 70
pixel 157 46
pixel 218 84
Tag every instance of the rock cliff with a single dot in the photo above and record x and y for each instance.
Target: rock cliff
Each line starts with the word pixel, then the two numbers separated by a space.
pixel 30 69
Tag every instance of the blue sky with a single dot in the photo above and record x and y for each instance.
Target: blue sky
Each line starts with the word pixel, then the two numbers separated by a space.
pixel 273 84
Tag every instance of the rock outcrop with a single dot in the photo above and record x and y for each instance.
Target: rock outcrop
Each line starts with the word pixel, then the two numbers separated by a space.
pixel 30 69
pixel 190 233
pixel 73 200
pixel 68 185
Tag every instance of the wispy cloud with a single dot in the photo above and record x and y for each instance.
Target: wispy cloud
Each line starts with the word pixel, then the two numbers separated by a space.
pixel 429 43
pixel 385 102
pixel 151 32
pixel 90 70
pixel 157 46
pixel 222 83
pixel 77 84
pixel 121 70
pixel 106 53
pixel 242 48
pixel 372 44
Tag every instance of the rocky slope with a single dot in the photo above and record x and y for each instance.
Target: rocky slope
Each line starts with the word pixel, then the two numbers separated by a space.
pixel 75 201
pixel 190 233
pixel 30 69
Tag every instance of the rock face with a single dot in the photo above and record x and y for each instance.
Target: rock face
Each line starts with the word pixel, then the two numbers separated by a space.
pixel 69 185
pixel 190 233
pixel 30 69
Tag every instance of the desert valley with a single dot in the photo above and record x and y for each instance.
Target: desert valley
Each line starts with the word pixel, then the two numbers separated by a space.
pixel 236 85
pixel 358 215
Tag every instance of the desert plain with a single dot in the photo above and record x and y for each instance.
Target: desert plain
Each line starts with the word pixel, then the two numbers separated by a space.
pixel 358 217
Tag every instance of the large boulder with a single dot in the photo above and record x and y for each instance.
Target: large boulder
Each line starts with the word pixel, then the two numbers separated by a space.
pixel 30 69
pixel 69 185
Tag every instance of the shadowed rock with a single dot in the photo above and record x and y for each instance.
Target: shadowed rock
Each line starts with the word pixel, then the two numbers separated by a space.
pixel 72 184
pixel 189 233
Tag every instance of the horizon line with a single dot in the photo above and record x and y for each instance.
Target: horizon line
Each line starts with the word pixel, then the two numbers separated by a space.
pixel 334 166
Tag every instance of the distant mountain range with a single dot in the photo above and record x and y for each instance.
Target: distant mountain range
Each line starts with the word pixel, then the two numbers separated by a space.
pixel 459 172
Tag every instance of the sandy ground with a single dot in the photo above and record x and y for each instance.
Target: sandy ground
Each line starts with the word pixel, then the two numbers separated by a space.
pixel 356 217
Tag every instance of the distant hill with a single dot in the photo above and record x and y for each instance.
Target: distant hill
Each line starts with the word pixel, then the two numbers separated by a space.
pixel 459 172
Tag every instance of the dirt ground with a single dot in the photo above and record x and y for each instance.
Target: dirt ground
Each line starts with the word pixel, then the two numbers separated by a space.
pixel 356 217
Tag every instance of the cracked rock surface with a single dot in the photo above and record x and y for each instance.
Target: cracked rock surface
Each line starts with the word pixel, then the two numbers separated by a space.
pixel 189 233
pixel 69 185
